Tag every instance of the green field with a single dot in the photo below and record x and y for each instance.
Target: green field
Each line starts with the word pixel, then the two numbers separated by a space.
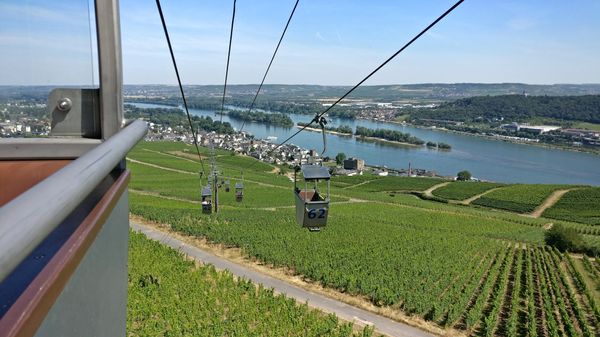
pixel 169 295
pixel 461 190
pixel 518 198
pixel 588 126
pixel 187 186
pixel 233 167
pixel 581 205
pixel 453 265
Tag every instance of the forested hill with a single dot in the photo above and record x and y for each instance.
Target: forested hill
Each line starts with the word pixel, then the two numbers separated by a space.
pixel 517 108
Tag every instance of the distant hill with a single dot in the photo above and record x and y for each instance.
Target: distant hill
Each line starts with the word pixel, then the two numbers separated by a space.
pixel 517 108
pixel 384 93
pixel 387 93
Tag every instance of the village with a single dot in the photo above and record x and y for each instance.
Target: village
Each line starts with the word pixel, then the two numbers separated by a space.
pixel 244 143
pixel 24 126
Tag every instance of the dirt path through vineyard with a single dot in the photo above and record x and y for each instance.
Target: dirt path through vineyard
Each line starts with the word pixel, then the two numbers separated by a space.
pixel 549 202
pixel 429 192
pixel 475 197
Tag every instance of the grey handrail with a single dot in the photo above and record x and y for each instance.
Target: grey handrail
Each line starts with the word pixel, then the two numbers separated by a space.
pixel 27 220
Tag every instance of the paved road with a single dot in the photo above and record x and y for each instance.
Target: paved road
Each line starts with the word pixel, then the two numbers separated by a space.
pixel 344 311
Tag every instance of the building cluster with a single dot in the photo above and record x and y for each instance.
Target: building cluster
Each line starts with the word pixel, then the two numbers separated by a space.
pixel 351 167
pixel 584 137
pixel 386 112
pixel 261 149
pixel 578 137
pixel 265 150
pixel 535 129
pixel 240 143
pixel 24 126
pixel 378 114
pixel 355 166
pixel 165 132
pixel 372 110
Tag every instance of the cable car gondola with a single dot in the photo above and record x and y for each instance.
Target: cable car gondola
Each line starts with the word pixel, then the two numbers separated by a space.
pixel 312 207
pixel 239 192
pixel 206 200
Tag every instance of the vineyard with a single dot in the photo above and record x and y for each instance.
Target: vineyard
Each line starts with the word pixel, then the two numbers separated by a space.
pixel 186 186
pixel 518 198
pixel 461 190
pixel 398 184
pixel 475 270
pixel 171 296
pixel 581 205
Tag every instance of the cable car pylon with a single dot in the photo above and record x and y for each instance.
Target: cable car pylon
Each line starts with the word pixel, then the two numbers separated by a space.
pixel 239 189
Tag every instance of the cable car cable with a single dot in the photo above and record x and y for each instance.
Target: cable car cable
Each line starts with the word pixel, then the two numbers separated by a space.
pixel 373 72
pixel 271 62
pixel 227 67
pixel 320 115
pixel 187 112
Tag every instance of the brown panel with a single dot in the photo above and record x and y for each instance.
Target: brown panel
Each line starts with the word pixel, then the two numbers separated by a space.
pixel 18 176
pixel 28 312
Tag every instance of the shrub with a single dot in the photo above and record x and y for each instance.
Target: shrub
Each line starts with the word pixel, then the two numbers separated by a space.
pixel 564 238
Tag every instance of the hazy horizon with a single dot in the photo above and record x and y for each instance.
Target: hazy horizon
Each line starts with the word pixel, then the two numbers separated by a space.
pixel 320 85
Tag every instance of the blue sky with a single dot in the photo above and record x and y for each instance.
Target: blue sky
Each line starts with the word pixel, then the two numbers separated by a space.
pixel 328 42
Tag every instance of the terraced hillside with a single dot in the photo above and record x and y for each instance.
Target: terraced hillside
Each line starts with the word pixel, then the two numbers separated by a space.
pixel 473 270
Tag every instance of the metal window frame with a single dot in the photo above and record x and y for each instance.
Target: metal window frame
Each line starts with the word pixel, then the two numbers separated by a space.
pixel 35 223
pixel 110 66
pixel 110 69
pixel 95 157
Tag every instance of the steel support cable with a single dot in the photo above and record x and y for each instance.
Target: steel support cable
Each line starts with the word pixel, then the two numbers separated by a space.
pixel 227 67
pixel 187 112
pixel 318 116
pixel 271 62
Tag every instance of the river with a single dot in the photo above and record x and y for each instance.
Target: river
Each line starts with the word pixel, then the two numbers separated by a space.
pixel 485 158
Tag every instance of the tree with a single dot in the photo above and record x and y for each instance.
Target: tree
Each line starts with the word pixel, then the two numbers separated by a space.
pixel 563 238
pixel 463 176
pixel 443 146
pixel 339 158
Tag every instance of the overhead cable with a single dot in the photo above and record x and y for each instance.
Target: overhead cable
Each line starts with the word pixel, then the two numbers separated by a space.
pixel 228 56
pixel 318 116
pixel 271 62
pixel 187 112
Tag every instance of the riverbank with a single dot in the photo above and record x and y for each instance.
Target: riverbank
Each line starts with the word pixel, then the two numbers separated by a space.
pixel 362 138
pixel 381 140
pixel 326 131
pixel 485 158
pixel 496 138
pixel 585 150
